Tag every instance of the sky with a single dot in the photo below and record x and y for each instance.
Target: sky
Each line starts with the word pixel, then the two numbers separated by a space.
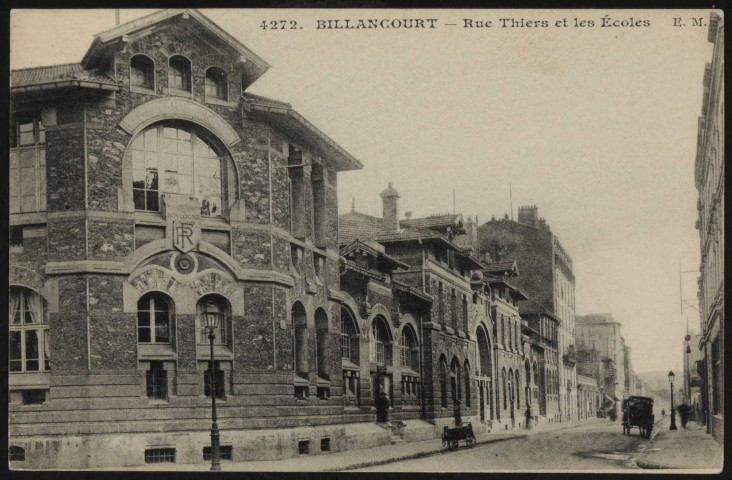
pixel 595 125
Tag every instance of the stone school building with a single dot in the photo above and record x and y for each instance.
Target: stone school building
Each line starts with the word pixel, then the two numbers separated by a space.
pixel 147 184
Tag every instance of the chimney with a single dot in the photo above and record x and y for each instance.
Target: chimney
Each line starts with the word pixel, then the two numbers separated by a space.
pixel 407 215
pixel 390 217
pixel 529 215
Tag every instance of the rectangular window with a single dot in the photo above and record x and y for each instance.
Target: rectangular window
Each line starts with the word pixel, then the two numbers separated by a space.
pixel 345 345
pixel 16 454
pixel 303 447
pixel 218 378
pixel 325 444
pixel 33 397
pixel 296 254
pixel 225 453
pixel 16 236
pixel 27 180
pixel 379 351
pixel 157 381
pixel 160 455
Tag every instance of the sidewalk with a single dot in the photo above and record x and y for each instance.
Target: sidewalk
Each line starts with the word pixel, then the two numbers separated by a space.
pixel 689 448
pixel 354 459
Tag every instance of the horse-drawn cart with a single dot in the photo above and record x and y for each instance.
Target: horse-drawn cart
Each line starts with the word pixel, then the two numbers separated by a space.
pixel 452 436
pixel 638 412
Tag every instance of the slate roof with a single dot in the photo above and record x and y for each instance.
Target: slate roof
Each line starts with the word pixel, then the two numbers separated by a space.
pixel 52 74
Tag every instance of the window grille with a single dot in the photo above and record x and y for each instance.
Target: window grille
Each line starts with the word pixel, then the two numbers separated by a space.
pixel 225 453
pixel 303 447
pixel 160 455
pixel 33 397
pixel 325 444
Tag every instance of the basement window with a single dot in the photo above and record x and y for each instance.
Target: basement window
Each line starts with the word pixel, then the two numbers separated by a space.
pixel 160 455
pixel 325 444
pixel 33 397
pixel 16 454
pixel 301 393
pixel 16 236
pixel 303 447
pixel 225 453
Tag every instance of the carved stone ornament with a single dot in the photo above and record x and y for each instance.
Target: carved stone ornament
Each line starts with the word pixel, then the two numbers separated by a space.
pixel 183 221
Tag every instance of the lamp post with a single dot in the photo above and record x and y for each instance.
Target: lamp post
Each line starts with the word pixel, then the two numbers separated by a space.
pixel 211 317
pixel 671 377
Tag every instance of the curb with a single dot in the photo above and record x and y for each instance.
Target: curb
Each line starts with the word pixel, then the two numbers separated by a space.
pixel 652 465
pixel 412 456
pixel 440 451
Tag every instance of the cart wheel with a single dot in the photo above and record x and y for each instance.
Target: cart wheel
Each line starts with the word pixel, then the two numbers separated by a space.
pixel 648 431
pixel 470 441
pixel 454 445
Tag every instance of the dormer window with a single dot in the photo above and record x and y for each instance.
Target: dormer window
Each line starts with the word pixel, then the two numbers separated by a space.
pixel 142 73
pixel 216 84
pixel 179 73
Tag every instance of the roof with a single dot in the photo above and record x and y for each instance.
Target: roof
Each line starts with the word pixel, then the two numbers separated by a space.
pixel 502 267
pixel 358 245
pixel 356 225
pixel 496 279
pixel 531 307
pixel 141 26
pixel 283 116
pixel 433 221
pixel 56 76
pixel 596 318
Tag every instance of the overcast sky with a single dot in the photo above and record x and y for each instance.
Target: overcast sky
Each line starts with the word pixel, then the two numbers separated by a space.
pixel 596 126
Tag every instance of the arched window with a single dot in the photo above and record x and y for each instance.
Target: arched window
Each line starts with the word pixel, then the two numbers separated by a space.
pixel 379 342
pixel 349 336
pixel 484 353
pixel 179 73
pixel 216 84
pixel 321 343
pixel 142 72
pixel 409 350
pixel 455 380
pixel 466 379
pixel 29 343
pixel 154 311
pixel 518 388
pixel 177 159
pixel 300 350
pixel 510 393
pixel 443 382
pixel 505 388
pixel 217 303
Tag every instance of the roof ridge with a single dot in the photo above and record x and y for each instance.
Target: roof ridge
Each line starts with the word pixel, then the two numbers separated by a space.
pixel 361 214
pixel 254 95
pixel 47 66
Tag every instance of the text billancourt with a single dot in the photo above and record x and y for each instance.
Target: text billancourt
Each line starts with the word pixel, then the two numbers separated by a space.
pixel 376 23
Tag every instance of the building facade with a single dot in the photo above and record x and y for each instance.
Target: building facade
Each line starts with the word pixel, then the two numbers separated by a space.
pixel 588 397
pixel 148 185
pixel 603 333
pixel 709 177
pixel 592 364
pixel 549 282
pixel 440 270
pixel 546 326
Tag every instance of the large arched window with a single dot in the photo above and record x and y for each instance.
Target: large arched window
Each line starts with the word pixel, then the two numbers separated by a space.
pixel 28 345
pixel 379 343
pixel 177 159
pixel 179 73
pixel 142 72
pixel 216 84
pixel 154 312
pixel 217 303
pixel 408 348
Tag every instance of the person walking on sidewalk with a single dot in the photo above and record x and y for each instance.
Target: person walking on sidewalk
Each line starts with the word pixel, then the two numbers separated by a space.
pixel 382 408
pixel 663 412
pixel 683 410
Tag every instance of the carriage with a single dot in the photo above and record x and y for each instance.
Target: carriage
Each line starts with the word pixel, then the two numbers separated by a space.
pixel 638 412
pixel 452 436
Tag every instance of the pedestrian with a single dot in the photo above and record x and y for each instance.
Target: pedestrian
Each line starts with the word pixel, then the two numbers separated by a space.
pixel 663 412
pixel 456 412
pixel 382 408
pixel 683 410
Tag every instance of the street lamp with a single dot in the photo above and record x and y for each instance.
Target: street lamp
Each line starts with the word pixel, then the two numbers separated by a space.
pixel 211 317
pixel 671 377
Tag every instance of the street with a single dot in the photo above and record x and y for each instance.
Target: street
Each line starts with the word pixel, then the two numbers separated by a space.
pixel 592 447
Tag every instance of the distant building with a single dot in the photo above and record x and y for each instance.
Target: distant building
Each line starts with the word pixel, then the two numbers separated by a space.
pixel 602 332
pixel 592 364
pixel 588 397
pixel 709 175
pixel 547 327
pixel 549 281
